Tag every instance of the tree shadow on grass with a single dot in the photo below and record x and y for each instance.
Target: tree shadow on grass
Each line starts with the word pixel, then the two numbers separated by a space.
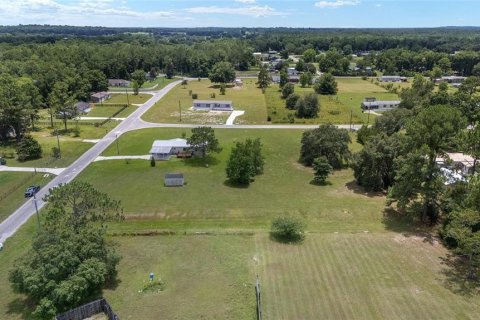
pixel 201 162
pixel 398 222
pixel 21 306
pixel 297 240
pixel 455 271
pixel 326 183
pixel 217 86
pixel 112 284
pixel 355 188
pixel 231 184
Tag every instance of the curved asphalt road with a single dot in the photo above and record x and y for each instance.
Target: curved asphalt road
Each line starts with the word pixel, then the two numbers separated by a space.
pixel 133 122
pixel 10 225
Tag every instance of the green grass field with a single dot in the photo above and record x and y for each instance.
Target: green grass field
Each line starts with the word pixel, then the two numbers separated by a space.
pixel 121 98
pixel 209 199
pixel 107 111
pixel 359 276
pixel 248 98
pixel 12 187
pixel 335 109
pixel 158 83
pixel 207 277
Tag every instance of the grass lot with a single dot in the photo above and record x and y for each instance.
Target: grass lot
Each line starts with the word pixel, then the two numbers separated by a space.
pixel 359 276
pixel 334 109
pixel 121 98
pixel 207 277
pixel 208 198
pixel 12 187
pixel 107 111
pixel 148 85
pixel 247 98
pixel 70 146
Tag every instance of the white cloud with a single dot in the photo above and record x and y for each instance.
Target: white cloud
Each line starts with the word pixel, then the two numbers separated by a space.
pixel 49 11
pixel 378 5
pixel 336 3
pixel 246 1
pixel 254 11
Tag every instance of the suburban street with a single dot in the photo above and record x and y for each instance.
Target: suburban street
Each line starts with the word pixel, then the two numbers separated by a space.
pixel 133 122
pixel 11 224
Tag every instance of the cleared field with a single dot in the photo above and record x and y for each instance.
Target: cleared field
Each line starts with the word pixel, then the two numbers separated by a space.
pixel 340 109
pixel 207 277
pixel 209 200
pixel 12 187
pixel 359 276
pixel 122 98
pixel 154 85
pixel 107 111
pixel 248 98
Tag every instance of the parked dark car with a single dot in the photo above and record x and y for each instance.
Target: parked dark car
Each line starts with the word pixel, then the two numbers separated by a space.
pixel 31 191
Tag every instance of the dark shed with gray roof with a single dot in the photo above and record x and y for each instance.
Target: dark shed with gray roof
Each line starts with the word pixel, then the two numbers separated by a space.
pixel 174 180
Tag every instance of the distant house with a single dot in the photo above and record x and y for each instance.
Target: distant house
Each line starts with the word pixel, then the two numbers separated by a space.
pixel 292 71
pixel 118 83
pixel 459 162
pixel 454 80
pixel 212 105
pixel 165 149
pixel 372 103
pixel 291 78
pixel 390 79
pixel 98 97
pixel 82 107
pixel 174 180
pixel 257 55
pixel 238 82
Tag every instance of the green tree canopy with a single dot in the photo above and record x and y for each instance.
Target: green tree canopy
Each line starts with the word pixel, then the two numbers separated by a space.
pixel 321 169
pixel 327 140
pixel 139 76
pixel 307 106
pixel 203 139
pixel 222 72
pixel 326 84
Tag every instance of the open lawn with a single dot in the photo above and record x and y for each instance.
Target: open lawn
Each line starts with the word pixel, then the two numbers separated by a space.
pixel 210 200
pixel 339 109
pixel 248 98
pixel 207 277
pixel 12 187
pixel 108 111
pixel 154 85
pixel 121 98
pixel 360 276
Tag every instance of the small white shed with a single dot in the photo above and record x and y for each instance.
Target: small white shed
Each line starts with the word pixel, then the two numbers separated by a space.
pixel 174 180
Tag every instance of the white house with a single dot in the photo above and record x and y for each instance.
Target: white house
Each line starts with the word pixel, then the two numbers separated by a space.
pixel 451 79
pixel 212 105
pixel 165 149
pixel 460 162
pixel 292 71
pixel 374 104
pixel 390 79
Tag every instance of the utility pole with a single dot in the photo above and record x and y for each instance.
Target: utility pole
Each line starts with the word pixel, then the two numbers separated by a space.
pixel 180 110
pixel 36 210
pixel 58 144
pixel 116 139
pixel 368 118
pixel 351 115
pixel 128 101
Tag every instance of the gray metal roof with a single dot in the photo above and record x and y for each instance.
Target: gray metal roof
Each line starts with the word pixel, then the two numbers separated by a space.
pixel 213 101
pixel 174 176
pixel 379 102
pixel 164 146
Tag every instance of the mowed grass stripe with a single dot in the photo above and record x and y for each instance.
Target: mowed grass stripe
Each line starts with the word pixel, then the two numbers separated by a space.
pixel 369 272
pixel 336 285
pixel 318 261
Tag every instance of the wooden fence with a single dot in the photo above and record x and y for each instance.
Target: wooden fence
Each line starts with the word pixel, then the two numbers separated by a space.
pixel 88 310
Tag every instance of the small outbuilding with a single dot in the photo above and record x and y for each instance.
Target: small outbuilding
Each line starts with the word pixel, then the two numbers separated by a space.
pixel 174 180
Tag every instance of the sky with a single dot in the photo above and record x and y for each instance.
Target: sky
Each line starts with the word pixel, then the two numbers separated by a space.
pixel 243 13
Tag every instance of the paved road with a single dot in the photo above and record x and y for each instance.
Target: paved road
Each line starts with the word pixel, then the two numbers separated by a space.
pixel 133 122
pixel 10 225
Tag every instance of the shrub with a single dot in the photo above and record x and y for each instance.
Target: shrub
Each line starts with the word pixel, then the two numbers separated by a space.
pixel 28 149
pixel 76 132
pixel 194 96
pixel 291 101
pixel 212 95
pixel 321 169
pixel 287 90
pixel 152 162
pixel 288 229
pixel 56 152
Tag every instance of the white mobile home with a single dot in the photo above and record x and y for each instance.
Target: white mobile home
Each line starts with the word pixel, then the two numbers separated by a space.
pixel 372 104
pixel 390 79
pixel 212 105
pixel 165 149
